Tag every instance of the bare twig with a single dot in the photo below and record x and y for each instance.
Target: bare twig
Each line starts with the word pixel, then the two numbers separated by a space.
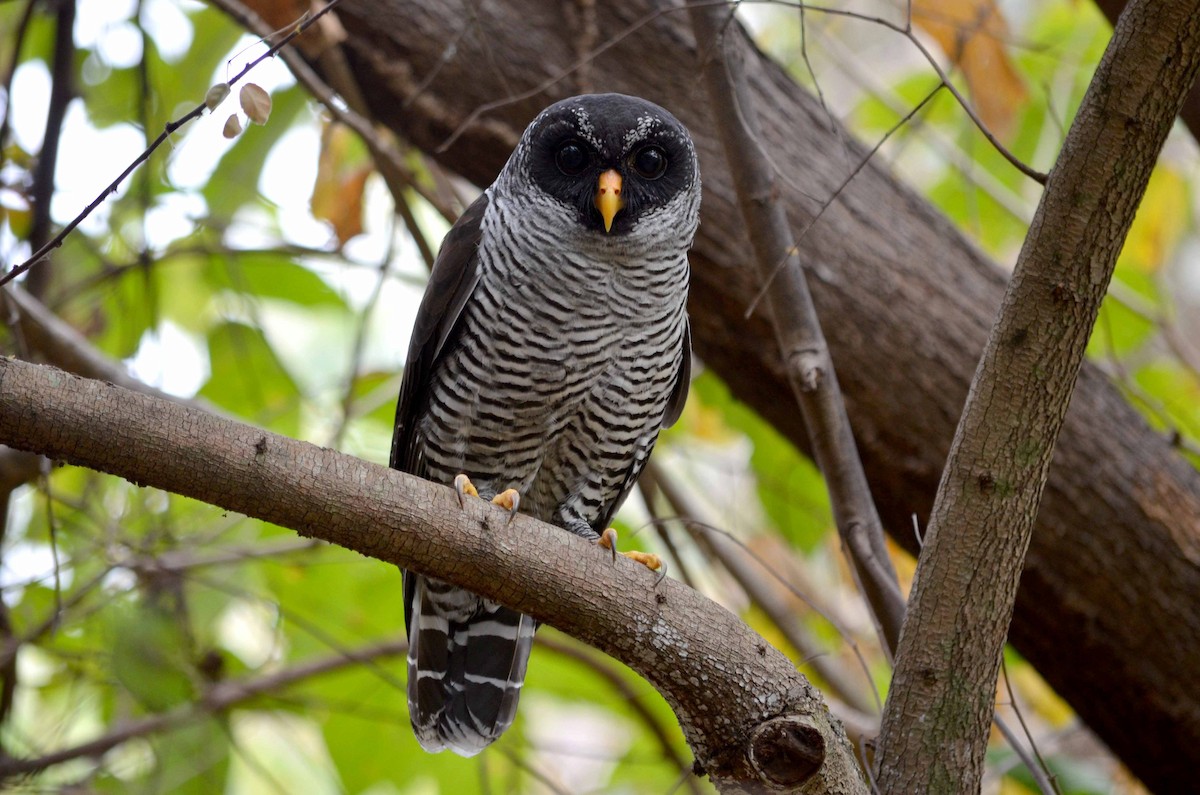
pixel 750 579
pixel 386 156
pixel 649 489
pixel 1036 765
pixel 801 341
pixel 219 698
pixel 605 670
pixel 793 250
pixel 906 31
pixel 170 129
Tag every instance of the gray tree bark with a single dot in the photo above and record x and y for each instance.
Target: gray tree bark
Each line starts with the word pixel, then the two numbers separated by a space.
pixel 1107 599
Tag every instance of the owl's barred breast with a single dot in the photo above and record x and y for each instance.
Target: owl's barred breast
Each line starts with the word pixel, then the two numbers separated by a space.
pixel 570 348
pixel 548 352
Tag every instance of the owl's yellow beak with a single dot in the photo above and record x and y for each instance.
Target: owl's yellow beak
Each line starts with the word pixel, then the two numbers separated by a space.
pixel 608 197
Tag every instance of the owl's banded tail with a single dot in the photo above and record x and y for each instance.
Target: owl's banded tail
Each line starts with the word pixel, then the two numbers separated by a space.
pixel 466 664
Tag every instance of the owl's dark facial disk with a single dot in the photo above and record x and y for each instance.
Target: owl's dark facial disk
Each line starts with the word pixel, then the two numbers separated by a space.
pixel 585 149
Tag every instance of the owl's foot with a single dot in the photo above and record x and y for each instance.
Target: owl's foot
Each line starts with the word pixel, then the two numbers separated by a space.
pixel 509 499
pixel 608 540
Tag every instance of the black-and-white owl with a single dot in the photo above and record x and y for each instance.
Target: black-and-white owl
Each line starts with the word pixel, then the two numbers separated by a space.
pixel 550 349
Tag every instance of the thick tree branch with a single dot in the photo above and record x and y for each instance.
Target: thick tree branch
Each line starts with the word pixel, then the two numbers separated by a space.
pixel 943 690
pixel 739 701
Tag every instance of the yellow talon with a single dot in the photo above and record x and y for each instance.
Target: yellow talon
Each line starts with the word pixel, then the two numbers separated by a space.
pixel 647 559
pixel 608 540
pixel 510 500
pixel 463 486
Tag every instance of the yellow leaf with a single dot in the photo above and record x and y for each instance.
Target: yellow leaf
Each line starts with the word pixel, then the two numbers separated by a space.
pixel 342 171
pixel 972 34
pixel 1160 222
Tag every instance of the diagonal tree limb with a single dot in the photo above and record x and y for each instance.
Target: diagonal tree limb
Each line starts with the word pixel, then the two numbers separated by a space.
pixel 810 369
pixel 751 720
pixel 943 690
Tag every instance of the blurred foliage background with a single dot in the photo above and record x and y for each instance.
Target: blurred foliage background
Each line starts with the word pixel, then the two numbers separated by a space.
pixel 160 645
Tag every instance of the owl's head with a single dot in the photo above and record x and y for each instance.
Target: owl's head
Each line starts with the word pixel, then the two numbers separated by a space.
pixel 615 164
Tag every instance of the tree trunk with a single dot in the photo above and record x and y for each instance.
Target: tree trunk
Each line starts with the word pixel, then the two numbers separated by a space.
pixel 1107 600
pixel 943 689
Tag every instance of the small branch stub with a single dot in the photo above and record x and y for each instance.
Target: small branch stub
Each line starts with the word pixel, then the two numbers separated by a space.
pixel 785 752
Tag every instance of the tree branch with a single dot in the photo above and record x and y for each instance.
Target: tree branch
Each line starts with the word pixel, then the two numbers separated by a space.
pixel 802 345
pixel 750 720
pixel 219 698
pixel 943 689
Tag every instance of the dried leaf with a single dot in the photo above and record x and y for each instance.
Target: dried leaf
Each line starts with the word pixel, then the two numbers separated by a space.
pixel 256 103
pixel 216 95
pixel 232 127
pixel 342 172
pixel 972 34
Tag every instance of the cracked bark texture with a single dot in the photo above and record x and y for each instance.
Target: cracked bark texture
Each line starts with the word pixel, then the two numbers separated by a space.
pixel 1106 607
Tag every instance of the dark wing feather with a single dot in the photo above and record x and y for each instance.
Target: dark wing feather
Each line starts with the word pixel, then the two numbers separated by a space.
pixel 454 277
pixel 683 380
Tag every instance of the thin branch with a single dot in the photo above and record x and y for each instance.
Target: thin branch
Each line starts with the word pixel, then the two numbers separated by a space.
pixel 218 699
pixel 169 130
pixel 798 332
pixel 649 489
pixel 751 581
pixel 1036 766
pixel 388 160
pixel 907 32
pixel 794 249
pixel 600 667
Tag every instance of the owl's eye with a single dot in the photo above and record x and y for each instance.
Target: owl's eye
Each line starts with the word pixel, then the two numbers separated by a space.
pixel 650 162
pixel 571 158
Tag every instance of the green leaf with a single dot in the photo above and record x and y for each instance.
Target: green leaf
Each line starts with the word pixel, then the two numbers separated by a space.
pixel 249 380
pixel 270 274
pixel 148 657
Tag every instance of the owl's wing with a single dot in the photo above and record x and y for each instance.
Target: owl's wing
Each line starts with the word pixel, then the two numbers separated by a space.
pixel 683 380
pixel 453 279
